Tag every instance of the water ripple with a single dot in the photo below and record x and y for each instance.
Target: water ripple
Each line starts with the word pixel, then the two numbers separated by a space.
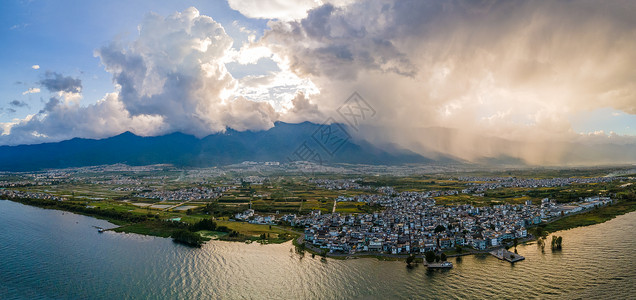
pixel 47 254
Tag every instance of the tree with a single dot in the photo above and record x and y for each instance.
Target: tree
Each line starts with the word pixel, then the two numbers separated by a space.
pixel 541 244
pixel 409 260
pixel 458 249
pixel 556 242
pixel 205 224
pixel 187 237
pixel 429 256
pixel 439 228
pixel 443 257
pixel 323 253
pixel 539 231
pixel 437 258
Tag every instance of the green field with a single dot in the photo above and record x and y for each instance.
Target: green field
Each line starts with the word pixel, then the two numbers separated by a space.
pixel 110 195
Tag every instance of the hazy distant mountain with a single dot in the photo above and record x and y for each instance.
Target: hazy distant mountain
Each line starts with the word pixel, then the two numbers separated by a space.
pixel 283 142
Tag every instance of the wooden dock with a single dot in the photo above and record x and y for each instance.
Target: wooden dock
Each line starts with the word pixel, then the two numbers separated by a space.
pixel 506 255
pixel 442 265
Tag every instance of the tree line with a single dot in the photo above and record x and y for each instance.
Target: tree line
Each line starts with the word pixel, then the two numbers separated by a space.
pixel 81 208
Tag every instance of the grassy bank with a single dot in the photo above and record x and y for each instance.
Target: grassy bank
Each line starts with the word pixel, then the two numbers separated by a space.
pixel 595 216
pixel 132 221
pixel 110 215
pixel 151 227
pixel 231 231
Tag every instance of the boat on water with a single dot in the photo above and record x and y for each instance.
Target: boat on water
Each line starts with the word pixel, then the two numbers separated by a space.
pixel 100 230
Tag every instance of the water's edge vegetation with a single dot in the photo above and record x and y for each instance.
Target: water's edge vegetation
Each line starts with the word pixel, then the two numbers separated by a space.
pixel 189 233
pixel 596 216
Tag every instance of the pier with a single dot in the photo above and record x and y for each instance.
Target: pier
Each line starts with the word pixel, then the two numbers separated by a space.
pixel 442 265
pixel 506 255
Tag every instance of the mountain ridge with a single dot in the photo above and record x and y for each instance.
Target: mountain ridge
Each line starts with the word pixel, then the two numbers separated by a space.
pixel 284 142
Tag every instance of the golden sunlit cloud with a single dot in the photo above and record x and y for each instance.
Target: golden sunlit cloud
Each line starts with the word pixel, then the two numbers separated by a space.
pixel 467 80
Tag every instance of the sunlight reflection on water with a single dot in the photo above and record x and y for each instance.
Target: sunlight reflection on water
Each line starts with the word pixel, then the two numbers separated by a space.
pixel 47 254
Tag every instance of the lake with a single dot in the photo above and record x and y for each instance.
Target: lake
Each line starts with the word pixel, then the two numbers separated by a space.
pixel 50 254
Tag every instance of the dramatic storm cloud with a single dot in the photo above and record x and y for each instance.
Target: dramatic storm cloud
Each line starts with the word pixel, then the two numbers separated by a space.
pixel 465 79
pixel 470 79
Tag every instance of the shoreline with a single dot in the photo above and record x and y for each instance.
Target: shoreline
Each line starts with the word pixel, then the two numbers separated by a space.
pixel 144 225
pixel 581 219
pixel 399 257
pixel 560 224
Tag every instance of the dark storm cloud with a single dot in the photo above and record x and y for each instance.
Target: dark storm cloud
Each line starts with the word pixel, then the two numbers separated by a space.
pixel 341 43
pixel 55 82
pixel 17 103
pixel 53 102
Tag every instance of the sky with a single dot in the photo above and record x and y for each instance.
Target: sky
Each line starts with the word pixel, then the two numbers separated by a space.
pixel 545 82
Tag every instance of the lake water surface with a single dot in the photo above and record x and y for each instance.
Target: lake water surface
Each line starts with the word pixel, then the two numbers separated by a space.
pixel 50 254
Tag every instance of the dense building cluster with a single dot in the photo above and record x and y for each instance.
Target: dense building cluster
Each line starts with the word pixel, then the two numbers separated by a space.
pixel 412 223
pixel 481 184
pixel 195 193
pixel 339 184
pixel 20 194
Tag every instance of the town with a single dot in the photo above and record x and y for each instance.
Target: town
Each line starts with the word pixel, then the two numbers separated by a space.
pixel 412 223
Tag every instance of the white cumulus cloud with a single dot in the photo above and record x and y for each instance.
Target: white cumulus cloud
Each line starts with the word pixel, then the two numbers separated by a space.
pixel 279 9
pixel 171 78
pixel 31 91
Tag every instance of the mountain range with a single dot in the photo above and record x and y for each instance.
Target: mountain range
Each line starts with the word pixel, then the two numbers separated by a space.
pixel 284 142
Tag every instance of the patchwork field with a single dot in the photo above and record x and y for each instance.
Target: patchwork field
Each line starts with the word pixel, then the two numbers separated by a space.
pixel 127 197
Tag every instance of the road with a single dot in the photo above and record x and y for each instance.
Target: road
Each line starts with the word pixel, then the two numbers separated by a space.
pixel 177 205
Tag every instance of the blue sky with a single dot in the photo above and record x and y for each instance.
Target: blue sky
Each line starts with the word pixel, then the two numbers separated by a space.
pixel 61 36
pixel 606 119
pixel 533 73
